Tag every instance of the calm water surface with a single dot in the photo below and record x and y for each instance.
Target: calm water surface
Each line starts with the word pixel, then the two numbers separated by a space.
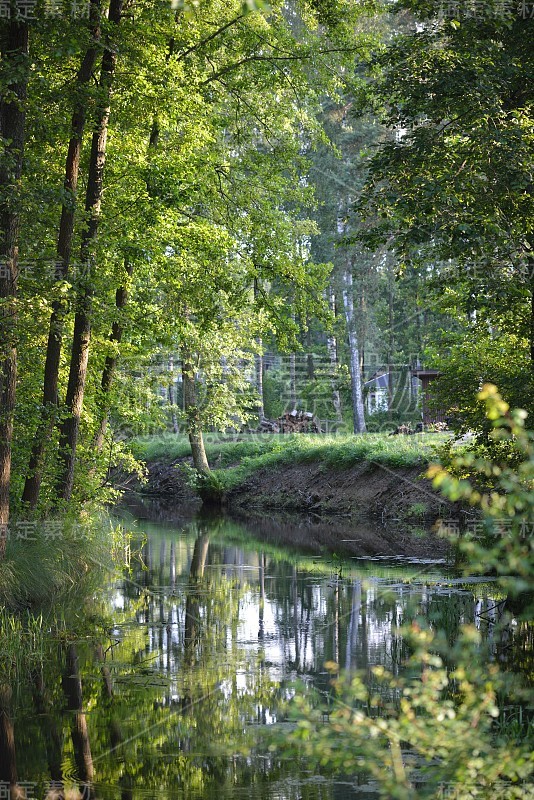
pixel 180 664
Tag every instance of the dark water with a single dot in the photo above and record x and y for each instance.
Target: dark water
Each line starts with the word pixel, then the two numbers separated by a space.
pixel 176 668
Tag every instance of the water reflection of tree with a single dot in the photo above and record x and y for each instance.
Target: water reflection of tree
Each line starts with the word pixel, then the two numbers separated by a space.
pixel 8 757
pixel 51 730
pixel 38 660
pixel 202 703
pixel 72 686
pixel 182 673
pixel 193 600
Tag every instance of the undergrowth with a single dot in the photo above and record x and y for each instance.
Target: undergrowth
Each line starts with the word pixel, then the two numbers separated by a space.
pixel 38 569
pixel 235 460
pixel 335 450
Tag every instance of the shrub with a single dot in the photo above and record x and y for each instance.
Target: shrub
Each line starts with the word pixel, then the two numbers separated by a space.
pixel 437 730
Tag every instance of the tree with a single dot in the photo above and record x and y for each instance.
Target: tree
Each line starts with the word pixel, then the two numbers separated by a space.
pixel 82 96
pixel 206 130
pixel 452 188
pixel 82 322
pixel 338 171
pixel 354 351
pixel 444 705
pixel 14 44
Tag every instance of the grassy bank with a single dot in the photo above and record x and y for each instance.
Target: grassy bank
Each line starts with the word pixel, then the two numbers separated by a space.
pixel 236 459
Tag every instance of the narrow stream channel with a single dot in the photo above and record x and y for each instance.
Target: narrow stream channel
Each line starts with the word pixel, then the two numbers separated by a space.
pixel 186 659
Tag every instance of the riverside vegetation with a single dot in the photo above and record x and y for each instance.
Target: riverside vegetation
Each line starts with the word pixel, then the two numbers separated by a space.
pixel 450 719
pixel 233 462
pixel 219 211
pixel 441 731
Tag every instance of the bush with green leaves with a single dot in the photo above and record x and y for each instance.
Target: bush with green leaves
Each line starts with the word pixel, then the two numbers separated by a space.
pixel 209 486
pixel 428 733
pixel 438 730
pixel 467 361
pixel 502 487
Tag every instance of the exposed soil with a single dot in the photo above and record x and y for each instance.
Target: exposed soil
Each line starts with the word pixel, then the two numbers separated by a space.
pixel 366 490
pixel 366 511
pixel 165 480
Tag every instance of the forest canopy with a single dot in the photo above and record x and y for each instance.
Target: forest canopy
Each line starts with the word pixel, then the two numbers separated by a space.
pixel 216 212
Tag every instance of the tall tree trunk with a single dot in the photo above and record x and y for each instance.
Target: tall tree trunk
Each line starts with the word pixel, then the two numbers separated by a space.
pixel 531 272
pixel 82 321
pixel 258 365
pixel 117 328
pixel 391 342
pixel 194 429
pixel 32 484
pixel 14 46
pixel 362 326
pixel 332 354
pixel 171 394
pixel 110 365
pixel 309 356
pixel 292 381
pixel 354 355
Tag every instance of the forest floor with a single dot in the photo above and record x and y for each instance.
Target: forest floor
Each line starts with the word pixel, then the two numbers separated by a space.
pixel 375 476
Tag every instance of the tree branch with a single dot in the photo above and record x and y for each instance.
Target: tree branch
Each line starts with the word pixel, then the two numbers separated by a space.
pixel 209 38
pixel 297 57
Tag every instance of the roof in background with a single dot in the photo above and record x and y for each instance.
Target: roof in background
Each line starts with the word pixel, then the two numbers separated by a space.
pixel 378 382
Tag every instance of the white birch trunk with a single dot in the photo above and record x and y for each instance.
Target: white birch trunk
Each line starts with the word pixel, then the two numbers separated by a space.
pixel 172 397
pixel 292 377
pixel 332 354
pixel 258 362
pixel 292 382
pixel 354 354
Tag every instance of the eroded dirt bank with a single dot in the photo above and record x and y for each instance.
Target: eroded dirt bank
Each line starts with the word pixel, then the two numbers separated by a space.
pixel 365 490
pixel 369 490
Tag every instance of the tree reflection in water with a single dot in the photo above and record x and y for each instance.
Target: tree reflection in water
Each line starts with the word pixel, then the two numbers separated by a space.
pixel 161 684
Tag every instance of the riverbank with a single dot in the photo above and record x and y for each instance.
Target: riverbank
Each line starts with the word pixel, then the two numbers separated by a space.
pixel 375 476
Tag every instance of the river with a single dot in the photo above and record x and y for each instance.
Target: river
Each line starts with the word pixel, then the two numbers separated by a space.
pixel 179 665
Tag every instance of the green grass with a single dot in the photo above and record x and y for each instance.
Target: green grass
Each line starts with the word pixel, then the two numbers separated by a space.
pixel 36 572
pixel 221 451
pixel 235 460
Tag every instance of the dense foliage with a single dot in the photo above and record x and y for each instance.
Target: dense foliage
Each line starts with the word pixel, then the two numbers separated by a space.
pixel 220 211
pixel 215 212
pixel 439 729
